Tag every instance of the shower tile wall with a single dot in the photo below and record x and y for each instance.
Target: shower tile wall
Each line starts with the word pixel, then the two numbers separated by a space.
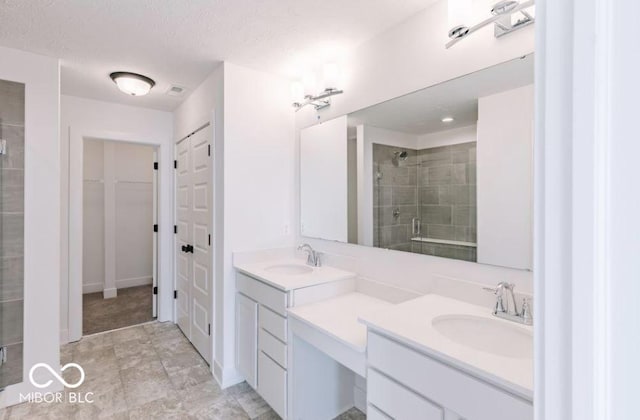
pixel 395 189
pixel 11 230
pixel 447 193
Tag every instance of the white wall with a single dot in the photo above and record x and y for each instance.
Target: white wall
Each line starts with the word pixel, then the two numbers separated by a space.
pixel 42 212
pixel 406 58
pixel 133 203
pixel 85 118
pixel 505 178
pixel 259 178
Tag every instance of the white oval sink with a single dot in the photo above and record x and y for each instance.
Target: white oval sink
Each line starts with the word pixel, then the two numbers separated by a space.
pixel 289 269
pixel 486 335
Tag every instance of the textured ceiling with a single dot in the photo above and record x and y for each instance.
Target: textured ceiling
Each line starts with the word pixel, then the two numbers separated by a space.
pixel 181 41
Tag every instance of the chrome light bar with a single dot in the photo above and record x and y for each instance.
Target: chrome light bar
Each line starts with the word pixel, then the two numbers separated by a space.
pixel 501 18
pixel 319 101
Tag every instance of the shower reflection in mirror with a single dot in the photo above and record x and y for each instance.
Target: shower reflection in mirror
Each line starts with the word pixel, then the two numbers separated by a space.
pixel 445 171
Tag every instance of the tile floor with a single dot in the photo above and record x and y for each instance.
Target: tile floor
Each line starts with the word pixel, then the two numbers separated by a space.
pixel 150 371
pixel 131 307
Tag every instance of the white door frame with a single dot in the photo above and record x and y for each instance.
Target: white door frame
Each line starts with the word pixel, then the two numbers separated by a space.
pixel 76 164
pixel 587 239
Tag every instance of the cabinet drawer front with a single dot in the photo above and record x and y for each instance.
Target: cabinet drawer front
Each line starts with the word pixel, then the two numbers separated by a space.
pixel 375 414
pixel 272 384
pixel 273 323
pixel 268 296
pixel 397 401
pixel 272 347
pixel 448 387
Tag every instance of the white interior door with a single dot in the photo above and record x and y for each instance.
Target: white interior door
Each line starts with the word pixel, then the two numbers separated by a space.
pixel 183 238
pixel 194 282
pixel 201 256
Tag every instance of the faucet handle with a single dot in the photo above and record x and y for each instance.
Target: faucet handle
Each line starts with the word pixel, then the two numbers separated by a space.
pixel 498 291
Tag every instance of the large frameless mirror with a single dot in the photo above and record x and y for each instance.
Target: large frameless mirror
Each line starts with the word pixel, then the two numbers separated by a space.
pixel 445 171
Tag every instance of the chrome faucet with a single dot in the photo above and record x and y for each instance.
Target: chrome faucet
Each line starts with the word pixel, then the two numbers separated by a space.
pixel 313 256
pixel 509 310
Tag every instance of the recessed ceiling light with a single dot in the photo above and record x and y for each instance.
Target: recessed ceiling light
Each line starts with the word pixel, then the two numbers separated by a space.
pixel 447 119
pixel 132 83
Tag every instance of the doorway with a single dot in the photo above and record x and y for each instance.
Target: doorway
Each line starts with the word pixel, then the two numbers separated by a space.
pixel 119 235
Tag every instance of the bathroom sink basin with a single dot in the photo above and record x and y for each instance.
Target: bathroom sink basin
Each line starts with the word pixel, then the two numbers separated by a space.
pixel 289 269
pixel 487 335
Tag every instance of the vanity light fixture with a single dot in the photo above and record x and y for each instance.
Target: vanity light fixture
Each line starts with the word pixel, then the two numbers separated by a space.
pixel 507 16
pixel 133 84
pixel 447 119
pixel 303 92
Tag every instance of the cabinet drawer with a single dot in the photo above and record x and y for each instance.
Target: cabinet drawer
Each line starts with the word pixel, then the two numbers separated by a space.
pixel 374 414
pixel 268 296
pixel 272 384
pixel 397 401
pixel 273 347
pixel 447 386
pixel 273 323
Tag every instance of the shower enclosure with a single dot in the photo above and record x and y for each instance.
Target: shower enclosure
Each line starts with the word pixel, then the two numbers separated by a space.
pixel 424 200
pixel 11 231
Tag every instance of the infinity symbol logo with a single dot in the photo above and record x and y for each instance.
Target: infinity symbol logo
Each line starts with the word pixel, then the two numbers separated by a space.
pixel 55 374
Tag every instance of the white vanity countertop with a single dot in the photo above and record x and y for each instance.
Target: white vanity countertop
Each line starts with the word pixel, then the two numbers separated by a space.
pixel 286 282
pixel 338 317
pixel 410 322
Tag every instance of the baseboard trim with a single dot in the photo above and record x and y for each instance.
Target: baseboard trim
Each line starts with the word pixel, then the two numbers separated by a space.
pixel 133 282
pixel 92 288
pixel 110 293
pixel 226 377
pixel 120 284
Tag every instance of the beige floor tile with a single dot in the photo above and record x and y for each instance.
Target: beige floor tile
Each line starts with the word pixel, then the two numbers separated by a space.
pixel 165 408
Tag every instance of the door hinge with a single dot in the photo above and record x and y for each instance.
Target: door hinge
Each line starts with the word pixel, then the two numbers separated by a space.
pixel 155 166
pixel 175 164
pixel 209 240
pixel 155 290
pixel 175 228
pixel 209 329
pixel 208 150
pixel 155 228
pixel 175 294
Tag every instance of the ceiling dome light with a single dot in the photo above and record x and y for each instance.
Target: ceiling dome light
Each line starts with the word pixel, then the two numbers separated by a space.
pixel 132 83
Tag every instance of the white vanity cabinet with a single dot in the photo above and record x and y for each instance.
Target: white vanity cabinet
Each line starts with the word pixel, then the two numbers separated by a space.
pixel 403 383
pixel 261 349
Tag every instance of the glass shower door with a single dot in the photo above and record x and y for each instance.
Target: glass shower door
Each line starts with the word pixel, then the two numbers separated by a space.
pixel 11 231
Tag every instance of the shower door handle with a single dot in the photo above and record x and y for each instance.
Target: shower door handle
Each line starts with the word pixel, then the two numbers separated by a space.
pixel 415 226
